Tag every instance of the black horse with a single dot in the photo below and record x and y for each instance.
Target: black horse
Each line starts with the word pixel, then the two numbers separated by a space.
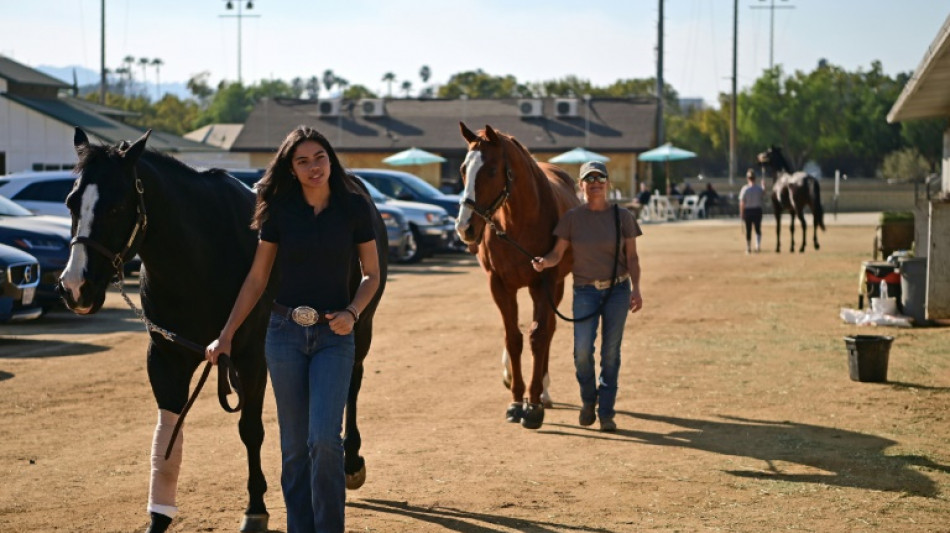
pixel 192 232
pixel 793 192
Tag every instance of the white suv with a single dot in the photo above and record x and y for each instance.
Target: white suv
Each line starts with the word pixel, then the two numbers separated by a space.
pixel 43 193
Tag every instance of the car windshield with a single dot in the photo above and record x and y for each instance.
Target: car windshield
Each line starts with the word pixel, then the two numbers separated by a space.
pixel 374 193
pixel 421 187
pixel 9 208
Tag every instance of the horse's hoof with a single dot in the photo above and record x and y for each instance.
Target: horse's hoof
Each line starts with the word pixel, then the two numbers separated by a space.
pixel 533 415
pixel 159 523
pixel 356 480
pixel 515 412
pixel 255 523
pixel 548 404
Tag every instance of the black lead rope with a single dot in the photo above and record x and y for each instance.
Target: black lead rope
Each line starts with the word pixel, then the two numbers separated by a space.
pixel 546 279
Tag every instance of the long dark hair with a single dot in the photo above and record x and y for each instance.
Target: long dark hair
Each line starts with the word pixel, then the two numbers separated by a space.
pixel 279 182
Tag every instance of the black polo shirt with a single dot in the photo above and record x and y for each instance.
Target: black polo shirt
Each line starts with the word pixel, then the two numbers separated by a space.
pixel 314 251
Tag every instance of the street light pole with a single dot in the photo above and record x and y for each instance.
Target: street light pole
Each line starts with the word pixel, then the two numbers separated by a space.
pixel 239 17
pixel 102 54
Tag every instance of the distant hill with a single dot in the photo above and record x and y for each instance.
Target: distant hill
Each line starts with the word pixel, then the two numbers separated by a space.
pixel 87 78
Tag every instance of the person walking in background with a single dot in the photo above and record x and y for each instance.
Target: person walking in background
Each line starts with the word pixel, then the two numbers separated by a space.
pixel 750 210
pixel 590 229
pixel 310 224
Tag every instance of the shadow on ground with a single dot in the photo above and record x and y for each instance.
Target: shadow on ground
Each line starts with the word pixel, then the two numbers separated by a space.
pixel 847 458
pixel 28 348
pixel 465 521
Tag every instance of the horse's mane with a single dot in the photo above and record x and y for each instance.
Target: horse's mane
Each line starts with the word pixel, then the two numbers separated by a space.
pixel 529 160
pixel 166 163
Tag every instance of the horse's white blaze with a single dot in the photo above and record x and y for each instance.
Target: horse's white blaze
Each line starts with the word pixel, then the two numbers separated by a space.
pixel 72 277
pixel 472 164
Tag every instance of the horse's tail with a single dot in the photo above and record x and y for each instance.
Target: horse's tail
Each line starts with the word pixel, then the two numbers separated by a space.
pixel 816 208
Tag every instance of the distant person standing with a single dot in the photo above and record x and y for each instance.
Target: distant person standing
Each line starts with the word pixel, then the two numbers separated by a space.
pixel 750 210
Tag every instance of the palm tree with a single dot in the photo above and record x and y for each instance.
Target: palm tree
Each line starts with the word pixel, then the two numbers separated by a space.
pixel 329 78
pixel 313 87
pixel 129 62
pixel 425 73
pixel 389 78
pixel 143 62
pixel 406 86
pixel 157 63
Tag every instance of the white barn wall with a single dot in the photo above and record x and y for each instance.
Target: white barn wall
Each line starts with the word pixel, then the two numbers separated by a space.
pixel 28 137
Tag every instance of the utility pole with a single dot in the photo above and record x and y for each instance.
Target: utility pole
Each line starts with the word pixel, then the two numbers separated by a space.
pixel 660 134
pixel 102 54
pixel 772 7
pixel 239 17
pixel 732 115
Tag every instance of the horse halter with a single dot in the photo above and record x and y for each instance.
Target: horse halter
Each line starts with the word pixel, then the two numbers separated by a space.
pixel 497 203
pixel 141 221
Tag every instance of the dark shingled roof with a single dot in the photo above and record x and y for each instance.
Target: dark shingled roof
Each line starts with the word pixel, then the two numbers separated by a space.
pixel 19 73
pixel 616 125
pixel 79 113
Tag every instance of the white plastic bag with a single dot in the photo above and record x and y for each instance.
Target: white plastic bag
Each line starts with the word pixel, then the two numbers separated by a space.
pixel 884 305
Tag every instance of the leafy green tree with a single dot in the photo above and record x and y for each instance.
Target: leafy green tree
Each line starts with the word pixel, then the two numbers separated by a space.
pixel 199 88
pixel 905 164
pixel 406 87
pixel 355 92
pixel 478 84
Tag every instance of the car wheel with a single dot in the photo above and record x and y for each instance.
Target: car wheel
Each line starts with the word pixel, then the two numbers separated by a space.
pixel 411 252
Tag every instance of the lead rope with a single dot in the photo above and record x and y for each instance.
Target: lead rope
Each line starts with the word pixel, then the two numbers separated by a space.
pixel 226 369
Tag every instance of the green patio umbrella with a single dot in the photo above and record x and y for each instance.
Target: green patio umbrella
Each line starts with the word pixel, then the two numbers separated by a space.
pixel 665 154
pixel 579 156
pixel 413 156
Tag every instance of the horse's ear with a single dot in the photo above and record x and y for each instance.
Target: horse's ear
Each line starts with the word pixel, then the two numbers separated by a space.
pixel 467 134
pixel 135 151
pixel 491 134
pixel 80 142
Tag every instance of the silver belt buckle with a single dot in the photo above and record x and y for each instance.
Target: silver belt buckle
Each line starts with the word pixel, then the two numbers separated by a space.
pixel 304 315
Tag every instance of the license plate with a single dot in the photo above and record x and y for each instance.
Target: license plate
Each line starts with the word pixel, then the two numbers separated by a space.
pixel 28 295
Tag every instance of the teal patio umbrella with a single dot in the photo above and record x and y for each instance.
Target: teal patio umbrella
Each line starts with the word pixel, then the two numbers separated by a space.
pixel 413 156
pixel 579 156
pixel 665 154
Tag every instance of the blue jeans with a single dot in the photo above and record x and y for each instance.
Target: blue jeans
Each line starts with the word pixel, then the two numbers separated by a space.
pixel 310 368
pixel 614 316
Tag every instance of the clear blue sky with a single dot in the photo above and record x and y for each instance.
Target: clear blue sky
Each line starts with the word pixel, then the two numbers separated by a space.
pixel 534 40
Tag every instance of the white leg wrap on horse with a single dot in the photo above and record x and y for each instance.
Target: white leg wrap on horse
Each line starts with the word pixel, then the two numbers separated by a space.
pixel 545 396
pixel 506 364
pixel 163 484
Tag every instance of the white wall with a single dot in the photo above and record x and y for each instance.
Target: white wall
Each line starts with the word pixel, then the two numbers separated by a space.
pixel 28 137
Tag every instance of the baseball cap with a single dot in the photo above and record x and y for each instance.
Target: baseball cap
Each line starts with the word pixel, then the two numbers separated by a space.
pixel 593 166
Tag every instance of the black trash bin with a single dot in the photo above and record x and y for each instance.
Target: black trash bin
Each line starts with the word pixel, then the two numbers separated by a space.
pixel 914 288
pixel 868 356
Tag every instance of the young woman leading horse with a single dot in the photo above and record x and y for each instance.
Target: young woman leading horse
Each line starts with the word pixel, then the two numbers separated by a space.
pixel 510 207
pixel 192 231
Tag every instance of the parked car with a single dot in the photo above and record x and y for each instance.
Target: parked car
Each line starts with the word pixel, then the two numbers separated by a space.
pixel 431 226
pixel 44 237
pixel 44 193
pixel 19 276
pixel 402 242
pixel 406 186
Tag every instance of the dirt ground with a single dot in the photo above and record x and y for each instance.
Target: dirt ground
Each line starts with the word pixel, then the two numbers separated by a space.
pixel 736 412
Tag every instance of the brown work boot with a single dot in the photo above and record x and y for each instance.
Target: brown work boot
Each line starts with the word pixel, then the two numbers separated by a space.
pixel 608 425
pixel 587 415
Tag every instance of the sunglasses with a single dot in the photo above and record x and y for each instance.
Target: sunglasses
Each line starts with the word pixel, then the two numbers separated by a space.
pixel 591 178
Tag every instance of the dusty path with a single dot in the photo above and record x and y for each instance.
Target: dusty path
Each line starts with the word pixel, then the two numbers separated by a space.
pixel 735 412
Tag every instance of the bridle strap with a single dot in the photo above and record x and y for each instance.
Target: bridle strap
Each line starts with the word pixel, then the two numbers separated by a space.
pixel 141 222
pixel 499 201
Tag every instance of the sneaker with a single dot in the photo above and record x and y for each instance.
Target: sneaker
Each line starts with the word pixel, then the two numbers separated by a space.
pixel 608 425
pixel 587 415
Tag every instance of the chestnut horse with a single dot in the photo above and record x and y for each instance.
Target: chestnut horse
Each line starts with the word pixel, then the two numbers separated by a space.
pixel 793 192
pixel 510 206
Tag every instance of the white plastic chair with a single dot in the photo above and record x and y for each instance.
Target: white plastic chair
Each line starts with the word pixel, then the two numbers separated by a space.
pixel 688 209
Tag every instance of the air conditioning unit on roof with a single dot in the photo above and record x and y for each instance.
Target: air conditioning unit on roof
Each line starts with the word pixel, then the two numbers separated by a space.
pixel 565 107
pixel 329 108
pixel 372 107
pixel 532 107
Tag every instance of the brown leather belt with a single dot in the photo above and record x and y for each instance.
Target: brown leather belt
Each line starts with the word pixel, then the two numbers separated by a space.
pixel 606 283
pixel 302 315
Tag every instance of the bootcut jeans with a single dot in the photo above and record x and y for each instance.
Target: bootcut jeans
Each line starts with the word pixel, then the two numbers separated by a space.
pixel 587 299
pixel 310 368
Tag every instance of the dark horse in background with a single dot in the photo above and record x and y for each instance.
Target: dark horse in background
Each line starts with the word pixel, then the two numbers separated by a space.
pixel 793 192
pixel 505 187
pixel 192 232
